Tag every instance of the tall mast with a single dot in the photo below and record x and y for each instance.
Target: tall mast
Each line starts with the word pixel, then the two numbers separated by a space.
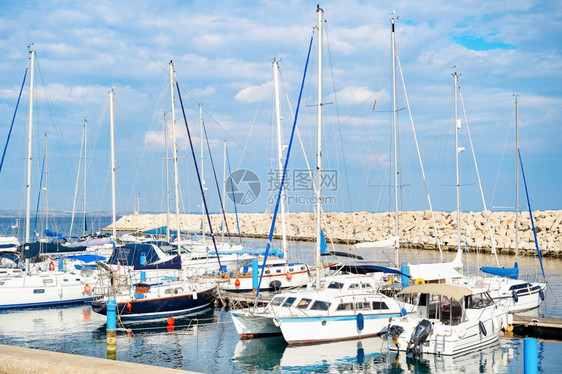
pixel 320 17
pixel 395 133
pixel 457 151
pixel 46 188
pixel 29 151
pixel 175 156
pixel 279 150
pixel 77 182
pixel 224 187
pixel 516 177
pixel 202 173
pixel 112 135
pixel 84 187
pixel 167 179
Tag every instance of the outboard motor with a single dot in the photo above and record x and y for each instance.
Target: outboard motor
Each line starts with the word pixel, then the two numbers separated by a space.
pixel 395 331
pixel 420 335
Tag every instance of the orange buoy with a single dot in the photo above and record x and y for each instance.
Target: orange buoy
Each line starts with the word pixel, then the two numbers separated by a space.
pixel 51 266
pixel 129 306
pixel 170 328
pixel 170 321
pixel 237 282
pixel 289 276
pixel 87 289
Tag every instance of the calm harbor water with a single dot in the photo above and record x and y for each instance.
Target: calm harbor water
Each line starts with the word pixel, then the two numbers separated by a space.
pixel 209 343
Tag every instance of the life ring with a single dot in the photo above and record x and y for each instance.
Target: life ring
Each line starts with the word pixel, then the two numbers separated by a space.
pixel 419 281
pixel 482 328
pixel 541 294
pixel 515 296
pixel 51 266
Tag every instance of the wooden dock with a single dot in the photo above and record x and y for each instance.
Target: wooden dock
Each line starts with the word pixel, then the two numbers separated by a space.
pixel 538 327
pixel 239 300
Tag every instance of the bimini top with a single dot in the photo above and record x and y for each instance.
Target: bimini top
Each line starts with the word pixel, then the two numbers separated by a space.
pixel 449 290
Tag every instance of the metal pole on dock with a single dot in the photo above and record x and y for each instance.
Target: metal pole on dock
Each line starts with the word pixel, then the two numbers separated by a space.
pixel 111 329
pixel 255 274
pixel 530 356
pixel 143 273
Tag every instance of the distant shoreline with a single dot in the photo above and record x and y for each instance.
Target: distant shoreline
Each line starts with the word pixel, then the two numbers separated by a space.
pixel 416 228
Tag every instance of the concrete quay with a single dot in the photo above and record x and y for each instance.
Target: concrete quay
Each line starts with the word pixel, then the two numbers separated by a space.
pixel 30 361
pixel 417 229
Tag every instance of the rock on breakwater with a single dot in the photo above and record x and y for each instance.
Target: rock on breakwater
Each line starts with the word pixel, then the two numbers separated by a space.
pixel 416 228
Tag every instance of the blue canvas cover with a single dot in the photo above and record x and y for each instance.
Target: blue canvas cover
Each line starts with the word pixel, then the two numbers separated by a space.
pixel 130 255
pixel 502 272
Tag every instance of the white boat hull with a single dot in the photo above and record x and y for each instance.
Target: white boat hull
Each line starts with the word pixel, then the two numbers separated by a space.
pixel 308 330
pixel 452 340
pixel 253 323
pixel 43 290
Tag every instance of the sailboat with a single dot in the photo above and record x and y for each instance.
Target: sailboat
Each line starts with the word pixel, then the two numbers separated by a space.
pixel 155 297
pixel 504 285
pixel 41 288
pixel 277 273
pixel 338 307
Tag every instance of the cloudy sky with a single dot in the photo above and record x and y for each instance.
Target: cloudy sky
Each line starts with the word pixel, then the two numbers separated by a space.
pixel 223 52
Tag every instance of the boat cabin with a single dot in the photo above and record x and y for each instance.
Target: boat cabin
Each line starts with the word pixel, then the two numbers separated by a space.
pixel 447 303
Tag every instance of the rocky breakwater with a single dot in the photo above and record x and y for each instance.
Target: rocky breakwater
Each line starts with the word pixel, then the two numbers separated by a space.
pixel 416 228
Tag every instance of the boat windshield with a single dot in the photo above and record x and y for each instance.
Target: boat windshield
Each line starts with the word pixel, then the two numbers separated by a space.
pixel 277 300
pixel 320 305
pixel 479 301
pixel 289 301
pixel 336 285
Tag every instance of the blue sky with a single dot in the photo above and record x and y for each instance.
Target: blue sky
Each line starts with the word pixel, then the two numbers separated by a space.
pixel 223 54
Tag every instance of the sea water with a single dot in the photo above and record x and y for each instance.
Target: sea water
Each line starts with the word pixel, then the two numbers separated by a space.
pixel 208 342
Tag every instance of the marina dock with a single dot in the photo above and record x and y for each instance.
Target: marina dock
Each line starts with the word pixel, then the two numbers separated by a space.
pixel 538 327
pixel 239 300
pixel 27 360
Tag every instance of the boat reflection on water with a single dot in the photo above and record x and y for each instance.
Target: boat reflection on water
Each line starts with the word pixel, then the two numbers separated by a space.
pixel 367 355
pixel 42 322
pixel 264 353
pixel 274 354
pixel 364 355
pixel 495 358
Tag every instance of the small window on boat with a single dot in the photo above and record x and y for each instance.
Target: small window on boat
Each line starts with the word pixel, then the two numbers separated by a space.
pixel 2 283
pixel 362 305
pixel 47 281
pixel 336 285
pixel 277 301
pixel 479 300
pixel 354 286
pixel 38 290
pixel 267 272
pixel 519 286
pixel 366 286
pixel 303 304
pixel 378 305
pixel 320 305
pixel 345 306
pixel 289 301
pixel 278 271
pixel 303 268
